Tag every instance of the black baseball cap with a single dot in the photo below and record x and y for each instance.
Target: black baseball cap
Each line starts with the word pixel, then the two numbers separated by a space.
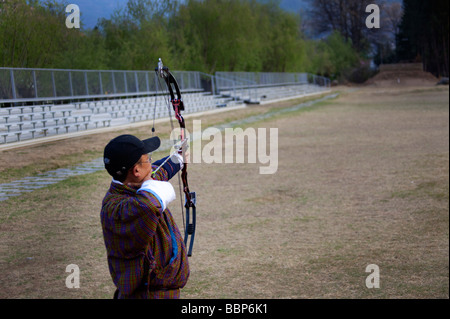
pixel 124 151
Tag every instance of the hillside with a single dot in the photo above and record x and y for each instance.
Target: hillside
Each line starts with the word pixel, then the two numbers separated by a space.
pixel 403 74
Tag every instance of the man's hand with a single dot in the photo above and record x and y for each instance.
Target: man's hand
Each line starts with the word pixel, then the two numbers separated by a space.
pixel 184 147
pixel 180 155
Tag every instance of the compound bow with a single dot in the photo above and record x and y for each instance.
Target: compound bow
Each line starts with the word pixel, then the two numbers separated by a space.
pixel 190 197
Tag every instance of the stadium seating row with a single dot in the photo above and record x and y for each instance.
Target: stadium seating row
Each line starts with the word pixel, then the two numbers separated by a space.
pixel 29 122
pixel 259 94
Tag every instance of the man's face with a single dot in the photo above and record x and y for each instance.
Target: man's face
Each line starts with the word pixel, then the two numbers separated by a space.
pixel 145 165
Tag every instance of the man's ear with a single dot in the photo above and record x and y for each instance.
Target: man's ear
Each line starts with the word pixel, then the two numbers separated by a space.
pixel 136 170
pixel 133 173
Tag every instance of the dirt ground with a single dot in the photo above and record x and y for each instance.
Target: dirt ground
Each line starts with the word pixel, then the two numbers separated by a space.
pixel 362 179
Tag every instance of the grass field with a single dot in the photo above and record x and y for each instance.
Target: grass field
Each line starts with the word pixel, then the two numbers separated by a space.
pixel 362 179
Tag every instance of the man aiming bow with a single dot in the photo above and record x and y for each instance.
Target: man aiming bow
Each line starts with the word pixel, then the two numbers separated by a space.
pixel 145 250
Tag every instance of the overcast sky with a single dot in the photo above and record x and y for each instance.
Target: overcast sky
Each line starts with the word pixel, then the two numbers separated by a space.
pixel 91 11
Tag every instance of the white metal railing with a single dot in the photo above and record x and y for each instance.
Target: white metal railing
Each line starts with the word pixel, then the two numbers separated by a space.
pixel 235 83
pixel 32 85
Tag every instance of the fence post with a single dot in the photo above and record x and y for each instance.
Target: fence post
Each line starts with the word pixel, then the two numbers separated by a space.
pixel 136 81
pixel 213 87
pixel 125 81
pixel 182 80
pixel 54 84
pixel 86 83
pixel 114 82
pixel 70 83
pixel 100 82
pixel 13 85
pixel 147 82
pixel 35 83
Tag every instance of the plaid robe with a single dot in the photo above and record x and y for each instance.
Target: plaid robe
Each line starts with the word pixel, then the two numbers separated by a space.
pixel 146 253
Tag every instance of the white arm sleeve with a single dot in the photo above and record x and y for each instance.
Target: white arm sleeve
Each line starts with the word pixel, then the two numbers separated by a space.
pixel 163 191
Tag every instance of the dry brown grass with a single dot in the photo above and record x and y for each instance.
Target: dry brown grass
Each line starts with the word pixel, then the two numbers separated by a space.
pixel 361 180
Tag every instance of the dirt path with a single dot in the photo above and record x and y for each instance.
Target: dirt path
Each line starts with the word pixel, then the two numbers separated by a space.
pixel 361 180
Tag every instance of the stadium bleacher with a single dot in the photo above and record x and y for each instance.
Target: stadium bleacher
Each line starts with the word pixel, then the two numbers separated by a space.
pixel 29 122
pixel 24 122
pixel 269 94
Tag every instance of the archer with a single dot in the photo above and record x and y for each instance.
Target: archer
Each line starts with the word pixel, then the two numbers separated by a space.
pixel 147 257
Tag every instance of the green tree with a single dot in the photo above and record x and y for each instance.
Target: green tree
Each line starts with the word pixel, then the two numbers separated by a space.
pixel 332 57
pixel 31 34
pixel 203 35
pixel 135 37
pixel 85 50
